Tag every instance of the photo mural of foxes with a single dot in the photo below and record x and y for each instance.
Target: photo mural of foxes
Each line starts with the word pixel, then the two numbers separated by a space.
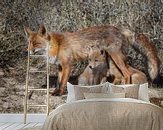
pixel 68 48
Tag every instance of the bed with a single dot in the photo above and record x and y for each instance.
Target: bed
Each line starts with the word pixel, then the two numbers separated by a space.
pixel 105 113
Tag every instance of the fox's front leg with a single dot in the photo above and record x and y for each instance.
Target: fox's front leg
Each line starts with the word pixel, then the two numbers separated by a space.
pixel 63 79
pixel 60 73
pixel 65 76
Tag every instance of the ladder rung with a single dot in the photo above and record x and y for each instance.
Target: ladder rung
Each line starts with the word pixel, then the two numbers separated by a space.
pixel 37 89
pixel 33 71
pixel 33 105
pixel 37 55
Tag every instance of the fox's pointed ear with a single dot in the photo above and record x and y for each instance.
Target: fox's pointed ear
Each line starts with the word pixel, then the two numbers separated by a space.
pixel 27 31
pixel 42 30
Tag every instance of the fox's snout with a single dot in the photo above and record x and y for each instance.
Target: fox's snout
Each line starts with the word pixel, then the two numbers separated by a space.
pixel 31 51
pixel 25 53
pixel 90 67
pixel 38 51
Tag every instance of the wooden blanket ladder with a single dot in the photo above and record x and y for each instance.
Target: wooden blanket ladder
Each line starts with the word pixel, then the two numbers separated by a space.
pixel 28 89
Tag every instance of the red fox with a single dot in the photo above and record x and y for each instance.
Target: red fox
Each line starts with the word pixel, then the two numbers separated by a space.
pixel 96 71
pixel 137 77
pixel 86 78
pixel 71 47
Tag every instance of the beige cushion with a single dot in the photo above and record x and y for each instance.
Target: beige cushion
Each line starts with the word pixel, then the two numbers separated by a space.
pixel 131 90
pixel 79 91
pixel 104 95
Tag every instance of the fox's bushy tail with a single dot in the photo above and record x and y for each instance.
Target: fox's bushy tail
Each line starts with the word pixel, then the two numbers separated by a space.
pixel 146 47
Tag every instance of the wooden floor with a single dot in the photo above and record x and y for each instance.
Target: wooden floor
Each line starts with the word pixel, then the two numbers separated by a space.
pixel 15 121
pixel 17 126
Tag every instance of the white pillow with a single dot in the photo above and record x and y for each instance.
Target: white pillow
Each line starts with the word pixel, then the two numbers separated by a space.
pixel 143 92
pixel 71 92
pixel 70 95
pixel 104 95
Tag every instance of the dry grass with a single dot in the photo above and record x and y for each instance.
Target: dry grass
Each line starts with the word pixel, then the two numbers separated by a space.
pixel 139 16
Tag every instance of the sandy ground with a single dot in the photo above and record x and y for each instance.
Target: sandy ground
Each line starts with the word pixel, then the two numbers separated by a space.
pixel 12 97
